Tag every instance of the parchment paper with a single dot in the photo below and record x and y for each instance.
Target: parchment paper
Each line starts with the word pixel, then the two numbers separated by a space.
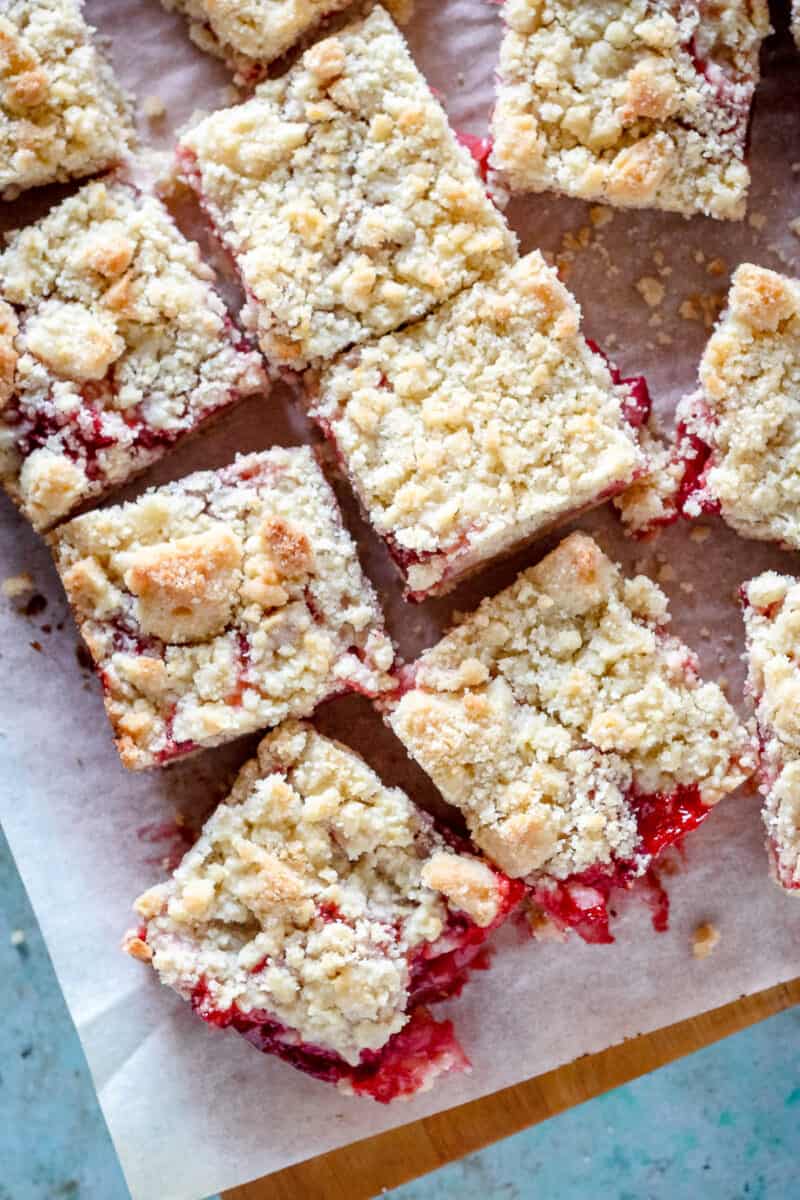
pixel 193 1110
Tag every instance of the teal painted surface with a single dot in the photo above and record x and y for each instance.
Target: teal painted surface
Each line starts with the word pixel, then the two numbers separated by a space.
pixel 722 1125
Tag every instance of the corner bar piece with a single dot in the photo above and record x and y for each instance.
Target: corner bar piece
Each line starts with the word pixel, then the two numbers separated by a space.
pixel 62 114
pixel 772 621
pixel 319 913
pixel 737 443
pixel 222 604
pixel 641 104
pixel 344 197
pixel 482 426
pixel 572 731
pixel 113 346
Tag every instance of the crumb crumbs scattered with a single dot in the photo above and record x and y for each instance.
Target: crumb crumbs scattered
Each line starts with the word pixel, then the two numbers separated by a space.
pixel 702 306
pixel 651 290
pixel 666 573
pixel 705 940
pixel 723 683
pixel 717 266
pixel 794 226
pixel 611 340
pixel 705 631
pixel 600 216
pixel 18 937
pixel 757 221
pixel 699 533
pixel 663 339
pixel 686 587
pixel 154 108
pixel 17 585
pixel 699 257
pixel 795 168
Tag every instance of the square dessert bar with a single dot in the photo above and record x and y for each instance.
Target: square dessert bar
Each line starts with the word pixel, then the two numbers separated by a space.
pixel 737 443
pixel 318 913
pixel 771 605
pixel 62 114
pixel 113 345
pixel 249 34
pixel 641 104
pixel 344 197
pixel 221 604
pixel 572 731
pixel 481 426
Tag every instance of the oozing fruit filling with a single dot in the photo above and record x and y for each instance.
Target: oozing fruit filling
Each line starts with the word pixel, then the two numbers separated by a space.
pixel 319 913
pixel 412 1058
pixel 581 902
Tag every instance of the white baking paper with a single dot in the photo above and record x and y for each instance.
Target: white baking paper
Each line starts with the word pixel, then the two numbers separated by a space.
pixel 193 1110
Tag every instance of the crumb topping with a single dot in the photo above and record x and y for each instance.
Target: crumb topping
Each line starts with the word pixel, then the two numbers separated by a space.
pixel 748 409
pixel 547 709
pixel 637 104
pixel 344 197
pixel 249 34
pixel 772 622
pixel 221 604
pixel 62 114
pixel 308 893
pixel 480 426
pixel 113 344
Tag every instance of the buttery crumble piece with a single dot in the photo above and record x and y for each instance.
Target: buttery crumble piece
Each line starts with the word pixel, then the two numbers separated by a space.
pixel 737 442
pixel 113 345
pixel 572 731
pixel 771 605
pixel 17 585
pixel 635 103
pixel 317 912
pixel 249 34
pixel 705 940
pixel 476 429
pixel 222 604
pixel 344 197
pixel 62 114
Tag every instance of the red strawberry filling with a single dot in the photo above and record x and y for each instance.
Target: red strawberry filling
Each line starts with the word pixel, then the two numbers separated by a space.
pixel 479 147
pixel 422 1049
pixel 581 901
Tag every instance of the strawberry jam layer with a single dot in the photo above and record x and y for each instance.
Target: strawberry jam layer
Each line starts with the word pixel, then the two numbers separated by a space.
pixel 479 147
pixel 423 1049
pixel 636 407
pixel 581 902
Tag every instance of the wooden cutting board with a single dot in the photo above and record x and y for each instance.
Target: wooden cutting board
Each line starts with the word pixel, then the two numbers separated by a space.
pixel 364 1169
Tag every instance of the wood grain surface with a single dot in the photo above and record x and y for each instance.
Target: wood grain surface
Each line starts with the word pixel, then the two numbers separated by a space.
pixel 364 1169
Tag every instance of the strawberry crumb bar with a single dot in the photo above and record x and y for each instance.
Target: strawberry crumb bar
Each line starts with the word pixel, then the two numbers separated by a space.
pixel 641 104
pixel 113 345
pixel 317 915
pixel 772 620
pixel 344 197
pixel 62 114
pixel 737 442
pixel 249 34
pixel 221 604
pixel 478 428
pixel 572 731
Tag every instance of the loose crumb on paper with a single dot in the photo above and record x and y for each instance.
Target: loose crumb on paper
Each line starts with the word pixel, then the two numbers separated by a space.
pixel 705 940
pixel 18 937
pixel 17 585
pixel 154 108
pixel 651 290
